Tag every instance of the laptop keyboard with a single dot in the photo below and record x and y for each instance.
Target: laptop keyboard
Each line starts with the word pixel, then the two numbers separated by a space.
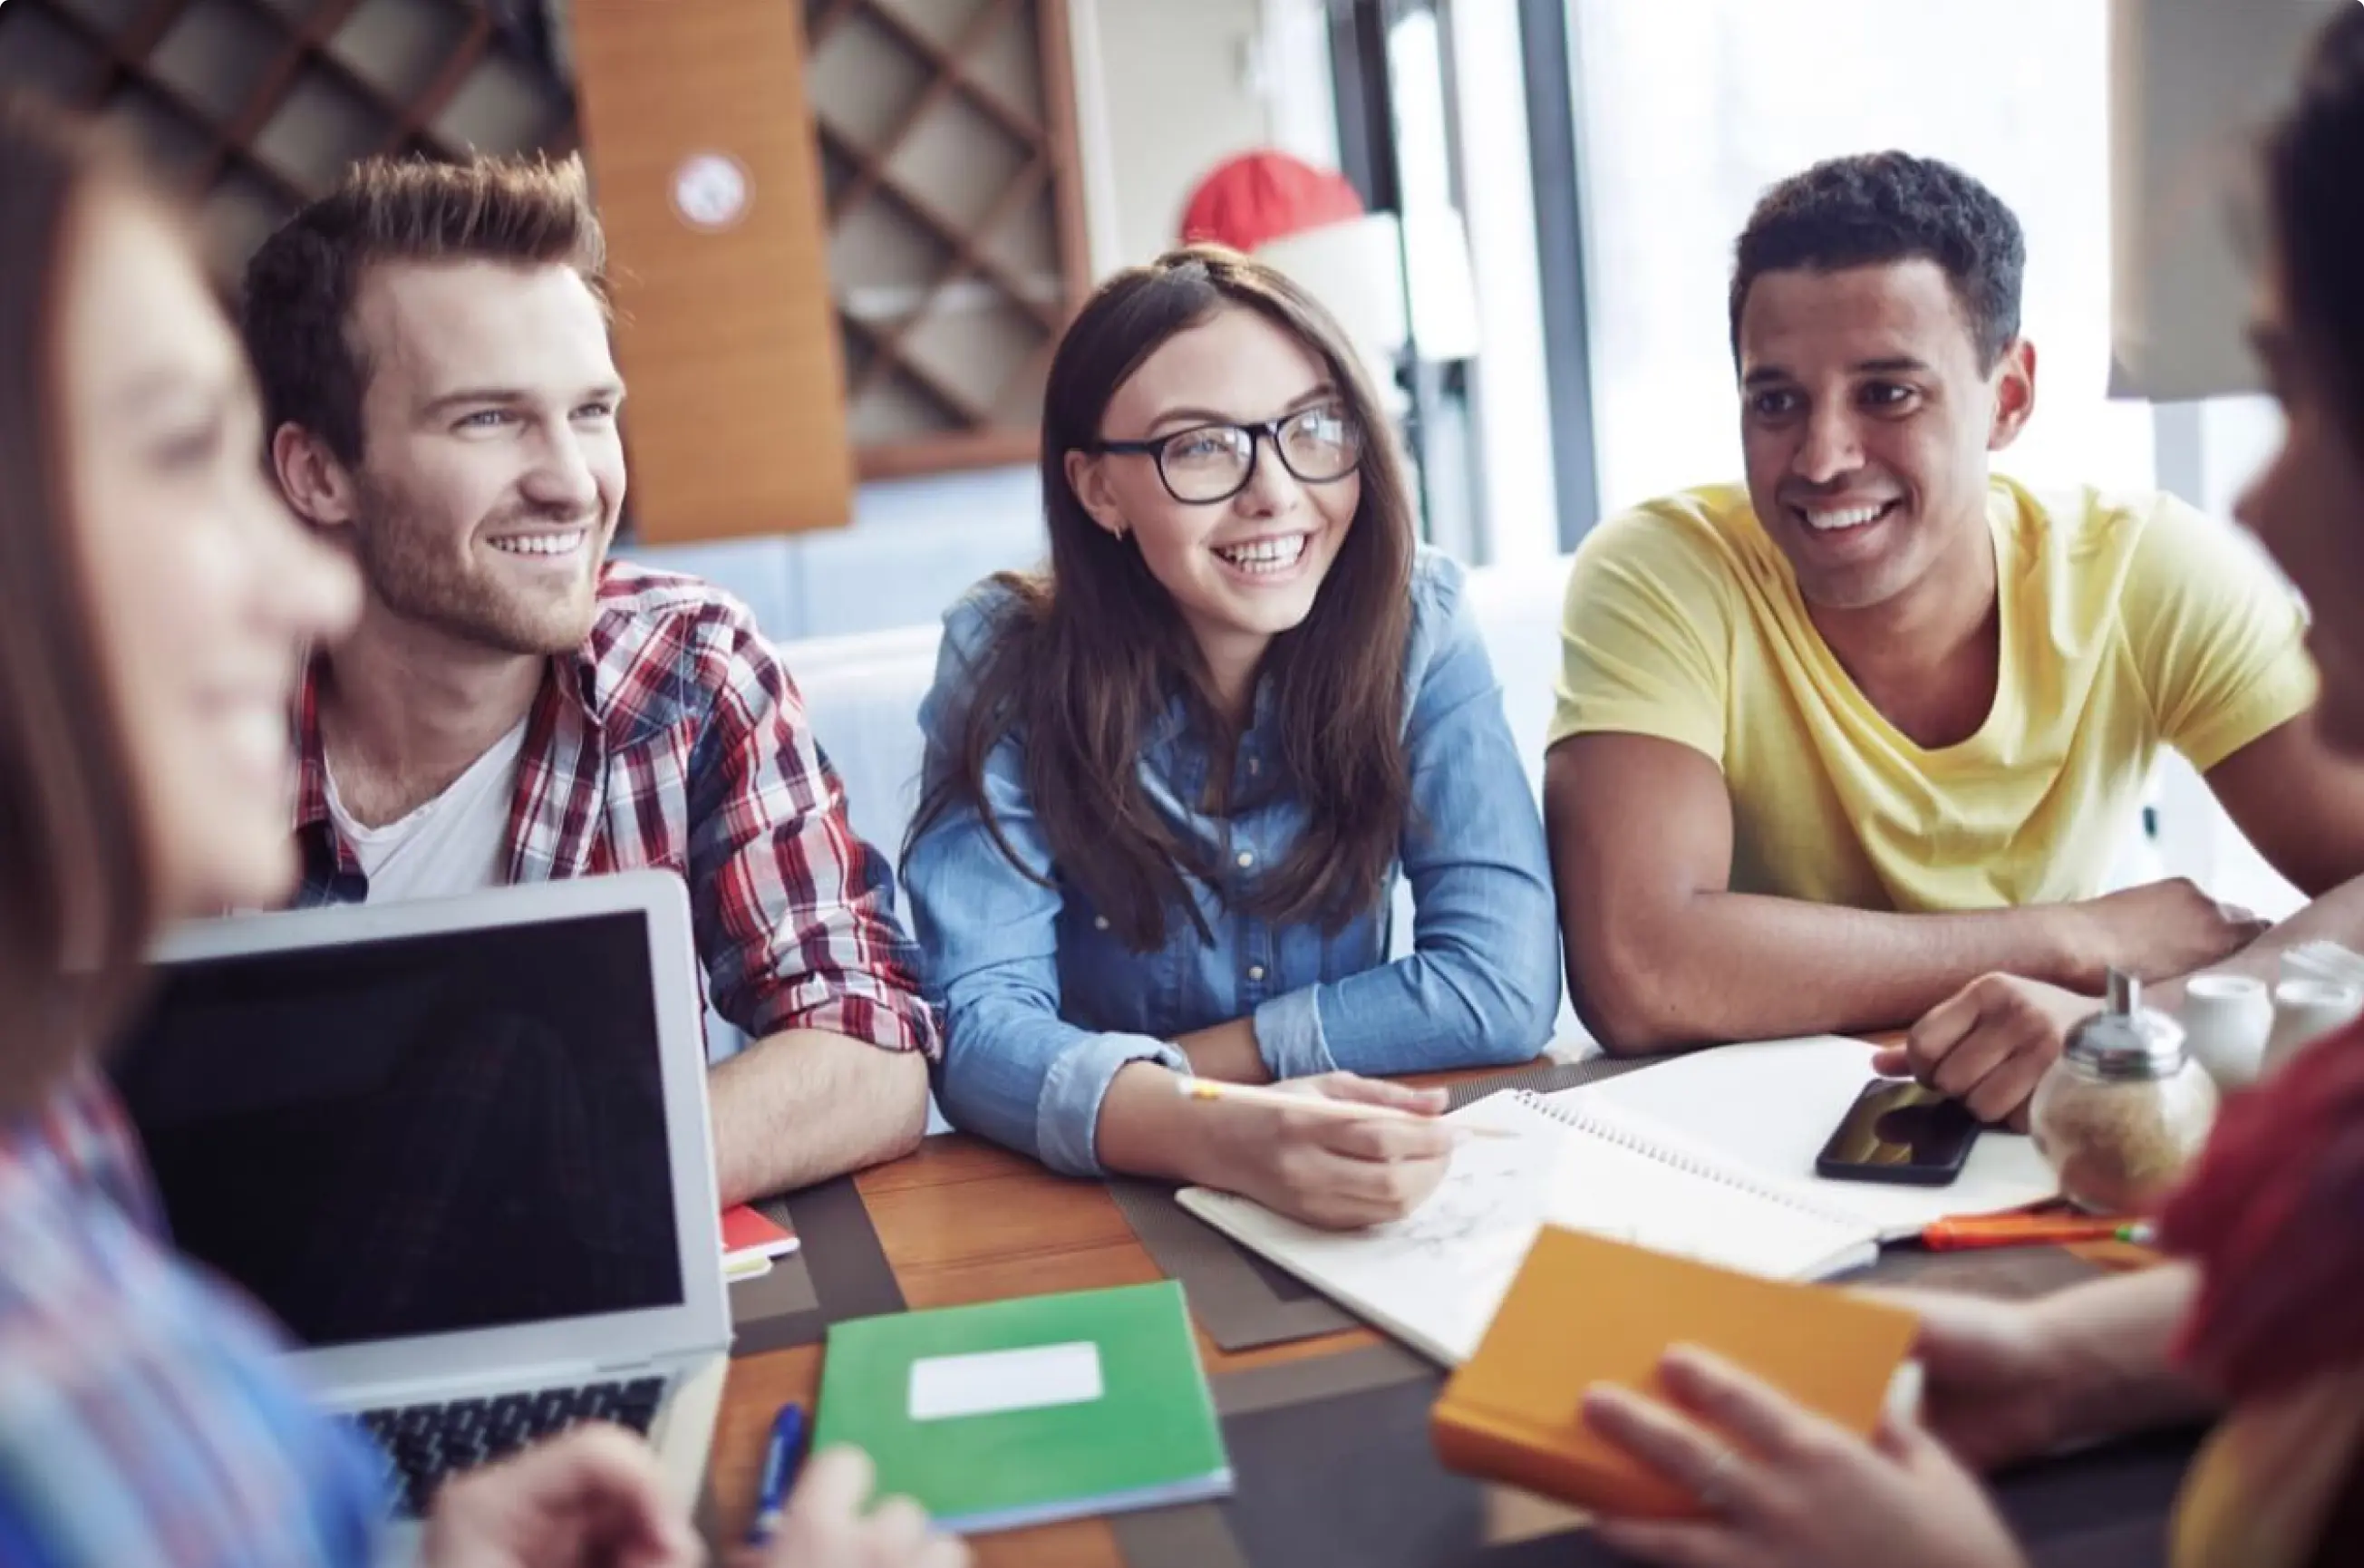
pixel 424 1443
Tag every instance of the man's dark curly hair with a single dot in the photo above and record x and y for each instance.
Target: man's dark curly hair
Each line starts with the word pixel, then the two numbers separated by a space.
pixel 1880 207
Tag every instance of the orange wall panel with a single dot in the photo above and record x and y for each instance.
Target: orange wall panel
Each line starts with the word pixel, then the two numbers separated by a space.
pixel 697 130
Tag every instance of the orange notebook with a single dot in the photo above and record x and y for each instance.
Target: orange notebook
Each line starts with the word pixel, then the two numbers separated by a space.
pixel 1585 1310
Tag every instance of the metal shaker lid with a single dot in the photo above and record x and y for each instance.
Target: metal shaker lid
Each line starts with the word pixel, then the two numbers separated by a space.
pixel 2126 1040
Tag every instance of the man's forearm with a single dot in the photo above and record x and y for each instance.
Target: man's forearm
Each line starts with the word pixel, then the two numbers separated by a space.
pixel 805 1104
pixel 1741 966
pixel 2337 916
pixel 2108 1341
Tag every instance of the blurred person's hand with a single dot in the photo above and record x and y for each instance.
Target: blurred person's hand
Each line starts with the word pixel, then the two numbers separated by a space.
pixel 2008 1381
pixel 1790 1488
pixel 829 1523
pixel 1993 1388
pixel 591 1498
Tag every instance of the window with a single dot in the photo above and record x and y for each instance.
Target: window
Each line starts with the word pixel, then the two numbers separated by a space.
pixel 1686 111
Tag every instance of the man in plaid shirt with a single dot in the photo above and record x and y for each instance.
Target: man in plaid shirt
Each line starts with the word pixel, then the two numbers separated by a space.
pixel 433 349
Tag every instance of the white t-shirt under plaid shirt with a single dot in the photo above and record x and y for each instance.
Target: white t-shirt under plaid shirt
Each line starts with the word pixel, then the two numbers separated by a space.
pixel 674 737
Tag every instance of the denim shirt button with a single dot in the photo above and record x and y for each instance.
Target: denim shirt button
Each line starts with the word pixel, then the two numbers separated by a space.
pixel 1246 859
pixel 1255 972
pixel 1099 922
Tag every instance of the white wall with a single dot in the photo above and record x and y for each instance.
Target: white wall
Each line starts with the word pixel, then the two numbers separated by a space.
pixel 1178 90
pixel 1168 89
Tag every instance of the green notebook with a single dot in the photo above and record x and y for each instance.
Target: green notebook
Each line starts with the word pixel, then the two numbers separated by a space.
pixel 1021 1412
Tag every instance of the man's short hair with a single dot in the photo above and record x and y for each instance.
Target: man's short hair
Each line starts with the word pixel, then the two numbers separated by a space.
pixel 1881 207
pixel 296 312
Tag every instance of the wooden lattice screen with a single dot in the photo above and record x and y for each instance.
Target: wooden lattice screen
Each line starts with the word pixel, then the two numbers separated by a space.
pixel 957 247
pixel 260 103
pixel 945 128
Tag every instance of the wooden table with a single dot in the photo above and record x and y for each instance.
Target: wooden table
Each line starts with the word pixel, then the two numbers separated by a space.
pixel 963 1221
pixel 960 1220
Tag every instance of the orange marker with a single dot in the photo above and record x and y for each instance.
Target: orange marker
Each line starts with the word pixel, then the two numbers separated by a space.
pixel 2033 1230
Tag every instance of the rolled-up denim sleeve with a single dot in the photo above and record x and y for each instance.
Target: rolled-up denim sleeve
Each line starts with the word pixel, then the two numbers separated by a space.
pixel 1482 985
pixel 1013 1069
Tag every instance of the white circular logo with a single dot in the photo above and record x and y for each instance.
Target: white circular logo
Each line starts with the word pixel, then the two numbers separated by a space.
pixel 710 190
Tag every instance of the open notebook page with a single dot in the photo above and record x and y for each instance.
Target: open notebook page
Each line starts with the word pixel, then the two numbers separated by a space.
pixel 1767 1107
pixel 1434 1278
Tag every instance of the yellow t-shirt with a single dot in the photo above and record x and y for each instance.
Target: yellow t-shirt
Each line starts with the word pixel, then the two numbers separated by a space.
pixel 2128 620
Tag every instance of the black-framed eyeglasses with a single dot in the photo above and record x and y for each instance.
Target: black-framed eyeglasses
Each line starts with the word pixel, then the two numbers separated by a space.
pixel 1209 463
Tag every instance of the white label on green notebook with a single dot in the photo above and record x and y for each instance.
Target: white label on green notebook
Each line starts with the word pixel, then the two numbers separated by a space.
pixel 990 1382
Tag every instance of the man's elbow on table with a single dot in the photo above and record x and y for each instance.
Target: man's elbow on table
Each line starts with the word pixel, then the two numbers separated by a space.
pixel 1628 998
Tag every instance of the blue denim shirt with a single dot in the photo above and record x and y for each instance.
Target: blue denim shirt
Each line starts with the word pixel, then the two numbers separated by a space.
pixel 1042 1004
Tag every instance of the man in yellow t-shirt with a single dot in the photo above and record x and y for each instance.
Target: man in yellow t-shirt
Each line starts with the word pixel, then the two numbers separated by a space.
pixel 1832 745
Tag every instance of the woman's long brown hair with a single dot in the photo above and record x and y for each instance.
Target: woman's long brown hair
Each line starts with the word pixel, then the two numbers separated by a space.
pixel 1097 649
pixel 74 875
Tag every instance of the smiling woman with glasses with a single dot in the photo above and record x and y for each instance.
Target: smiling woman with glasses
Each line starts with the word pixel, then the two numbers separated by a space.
pixel 1173 779
pixel 1207 464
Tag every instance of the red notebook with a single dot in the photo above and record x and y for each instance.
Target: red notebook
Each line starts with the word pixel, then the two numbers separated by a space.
pixel 751 1239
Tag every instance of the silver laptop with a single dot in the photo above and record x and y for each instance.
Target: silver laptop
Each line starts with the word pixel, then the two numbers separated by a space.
pixel 458 1148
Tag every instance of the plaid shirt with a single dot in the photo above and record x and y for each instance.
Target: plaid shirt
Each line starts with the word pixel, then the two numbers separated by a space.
pixel 675 738
pixel 143 1418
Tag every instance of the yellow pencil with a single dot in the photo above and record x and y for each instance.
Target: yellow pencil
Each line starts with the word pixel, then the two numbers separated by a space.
pixel 1320 1105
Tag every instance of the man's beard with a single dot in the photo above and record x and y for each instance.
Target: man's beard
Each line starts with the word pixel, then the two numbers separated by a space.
pixel 437 588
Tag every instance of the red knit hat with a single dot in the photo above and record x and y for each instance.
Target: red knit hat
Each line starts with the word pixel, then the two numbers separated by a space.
pixel 1260 196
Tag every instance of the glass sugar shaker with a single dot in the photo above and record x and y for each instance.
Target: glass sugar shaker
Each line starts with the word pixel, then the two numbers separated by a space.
pixel 2125 1109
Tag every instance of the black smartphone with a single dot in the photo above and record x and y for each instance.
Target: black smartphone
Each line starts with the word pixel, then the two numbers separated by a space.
pixel 1899 1130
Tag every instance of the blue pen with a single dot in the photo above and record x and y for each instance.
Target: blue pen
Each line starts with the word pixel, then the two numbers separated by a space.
pixel 780 1460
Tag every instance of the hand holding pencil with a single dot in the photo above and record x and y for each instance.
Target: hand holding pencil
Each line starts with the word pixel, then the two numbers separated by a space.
pixel 1310 1103
pixel 1338 1151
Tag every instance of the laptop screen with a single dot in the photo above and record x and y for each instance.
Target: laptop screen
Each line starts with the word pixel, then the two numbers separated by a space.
pixel 416 1135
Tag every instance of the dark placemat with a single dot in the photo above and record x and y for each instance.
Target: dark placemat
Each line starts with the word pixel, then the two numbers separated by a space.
pixel 1239 1299
pixel 1198 1535
pixel 2138 1543
pixel 2101 1510
pixel 706 1519
pixel 2006 1274
pixel 776 1308
pixel 1349 1482
pixel 1244 1303
pixel 1351 1479
pixel 1550 1077
pixel 838 1272
pixel 2104 1508
pixel 1317 1378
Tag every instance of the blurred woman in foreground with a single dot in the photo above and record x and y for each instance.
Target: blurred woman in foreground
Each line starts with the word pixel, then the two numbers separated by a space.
pixel 157 597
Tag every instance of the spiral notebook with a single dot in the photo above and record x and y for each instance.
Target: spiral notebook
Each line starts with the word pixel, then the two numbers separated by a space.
pixel 1766 1107
pixel 1434 1278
